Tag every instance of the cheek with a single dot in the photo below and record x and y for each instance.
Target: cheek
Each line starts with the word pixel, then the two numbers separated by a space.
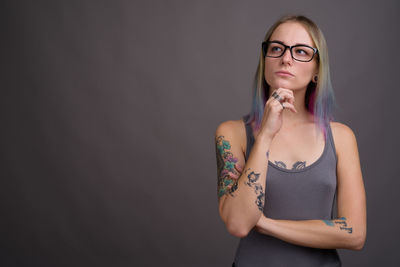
pixel 307 74
pixel 268 71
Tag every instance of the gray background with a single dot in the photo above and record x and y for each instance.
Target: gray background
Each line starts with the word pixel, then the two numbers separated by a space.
pixel 108 114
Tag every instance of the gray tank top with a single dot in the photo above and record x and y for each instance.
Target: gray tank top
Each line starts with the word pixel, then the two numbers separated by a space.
pixel 304 194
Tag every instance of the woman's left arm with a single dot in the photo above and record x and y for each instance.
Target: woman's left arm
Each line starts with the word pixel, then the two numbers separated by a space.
pixel 350 229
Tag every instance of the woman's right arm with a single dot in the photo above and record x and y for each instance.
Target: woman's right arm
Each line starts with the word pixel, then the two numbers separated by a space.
pixel 241 193
pixel 241 196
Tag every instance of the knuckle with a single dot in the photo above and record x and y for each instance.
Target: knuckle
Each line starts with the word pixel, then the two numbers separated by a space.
pixel 276 108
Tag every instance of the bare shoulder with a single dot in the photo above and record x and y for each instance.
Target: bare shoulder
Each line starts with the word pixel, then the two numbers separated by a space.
pixel 233 126
pixel 233 129
pixel 343 137
pixel 341 131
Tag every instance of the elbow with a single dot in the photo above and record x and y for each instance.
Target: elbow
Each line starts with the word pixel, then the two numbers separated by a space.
pixel 235 226
pixel 238 231
pixel 358 243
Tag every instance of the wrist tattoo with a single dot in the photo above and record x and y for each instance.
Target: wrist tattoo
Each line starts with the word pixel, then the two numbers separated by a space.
pixel 252 179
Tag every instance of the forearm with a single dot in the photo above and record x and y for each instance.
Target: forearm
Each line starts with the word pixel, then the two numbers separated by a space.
pixel 326 234
pixel 243 207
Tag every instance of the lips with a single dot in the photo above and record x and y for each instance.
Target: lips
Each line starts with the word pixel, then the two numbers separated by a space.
pixel 284 73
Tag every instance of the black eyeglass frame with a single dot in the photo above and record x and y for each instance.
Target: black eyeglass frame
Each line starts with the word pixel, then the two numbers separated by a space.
pixel 266 43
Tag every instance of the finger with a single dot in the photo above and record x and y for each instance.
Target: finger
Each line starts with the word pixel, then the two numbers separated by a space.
pixel 289 106
pixel 285 95
pixel 282 89
pixel 289 93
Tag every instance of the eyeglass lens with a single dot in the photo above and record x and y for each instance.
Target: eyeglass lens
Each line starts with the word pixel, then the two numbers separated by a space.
pixel 302 53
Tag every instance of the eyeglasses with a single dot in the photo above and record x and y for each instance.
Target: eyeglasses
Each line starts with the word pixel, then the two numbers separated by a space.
pixel 303 53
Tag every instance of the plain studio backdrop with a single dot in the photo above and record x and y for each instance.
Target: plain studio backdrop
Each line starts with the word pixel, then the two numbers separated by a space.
pixel 108 115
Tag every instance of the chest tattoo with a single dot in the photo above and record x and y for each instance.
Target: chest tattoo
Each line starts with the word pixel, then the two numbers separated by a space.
pixel 296 166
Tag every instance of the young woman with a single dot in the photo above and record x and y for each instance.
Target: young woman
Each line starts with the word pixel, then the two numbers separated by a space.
pixel 282 167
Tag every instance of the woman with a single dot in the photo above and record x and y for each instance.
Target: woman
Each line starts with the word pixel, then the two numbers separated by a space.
pixel 283 167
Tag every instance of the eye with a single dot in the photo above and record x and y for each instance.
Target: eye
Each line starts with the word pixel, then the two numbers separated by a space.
pixel 276 48
pixel 301 51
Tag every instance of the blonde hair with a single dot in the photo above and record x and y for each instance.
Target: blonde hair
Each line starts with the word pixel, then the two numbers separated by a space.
pixel 319 99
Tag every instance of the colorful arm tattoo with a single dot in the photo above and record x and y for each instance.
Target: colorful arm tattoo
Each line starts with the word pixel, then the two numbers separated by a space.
pixel 225 164
pixel 341 222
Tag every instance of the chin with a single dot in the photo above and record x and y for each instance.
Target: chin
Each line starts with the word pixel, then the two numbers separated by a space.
pixel 282 84
pixel 288 85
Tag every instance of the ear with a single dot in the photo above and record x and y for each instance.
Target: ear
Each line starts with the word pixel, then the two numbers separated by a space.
pixel 315 78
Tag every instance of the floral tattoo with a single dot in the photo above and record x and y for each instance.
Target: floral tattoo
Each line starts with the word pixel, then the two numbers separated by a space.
pixel 225 165
pixel 258 189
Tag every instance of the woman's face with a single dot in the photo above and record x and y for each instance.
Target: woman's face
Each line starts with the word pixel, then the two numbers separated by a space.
pixel 290 33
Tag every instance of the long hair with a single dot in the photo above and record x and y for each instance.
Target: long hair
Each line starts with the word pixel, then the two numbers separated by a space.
pixel 319 97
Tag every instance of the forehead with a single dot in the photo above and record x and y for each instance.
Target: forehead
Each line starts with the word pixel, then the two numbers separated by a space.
pixel 292 33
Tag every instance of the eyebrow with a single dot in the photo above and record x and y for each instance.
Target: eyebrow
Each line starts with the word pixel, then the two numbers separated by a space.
pixel 292 45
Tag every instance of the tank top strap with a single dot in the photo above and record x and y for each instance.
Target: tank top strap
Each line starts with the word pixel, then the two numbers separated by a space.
pixel 330 139
pixel 249 136
pixel 333 150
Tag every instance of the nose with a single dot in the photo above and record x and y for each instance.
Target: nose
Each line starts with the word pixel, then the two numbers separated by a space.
pixel 287 57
